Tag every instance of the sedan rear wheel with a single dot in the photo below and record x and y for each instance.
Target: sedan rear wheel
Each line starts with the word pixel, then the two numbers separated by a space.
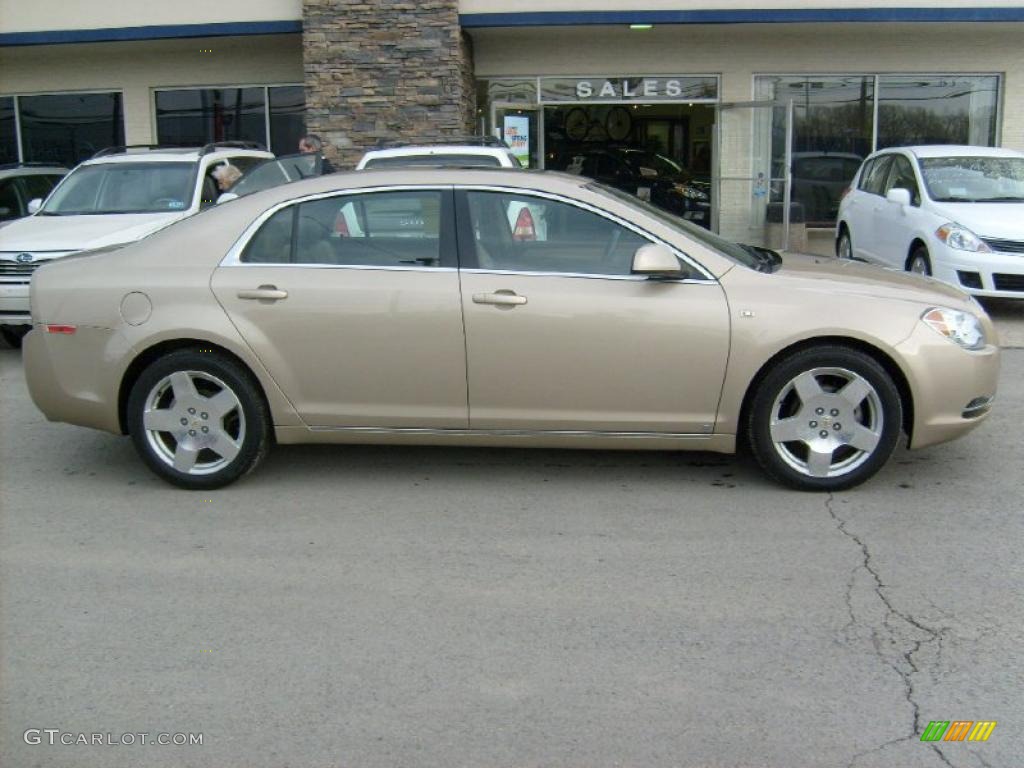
pixel 825 419
pixel 198 419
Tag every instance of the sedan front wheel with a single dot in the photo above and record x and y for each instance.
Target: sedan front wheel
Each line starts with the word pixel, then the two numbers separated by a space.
pixel 825 419
pixel 198 419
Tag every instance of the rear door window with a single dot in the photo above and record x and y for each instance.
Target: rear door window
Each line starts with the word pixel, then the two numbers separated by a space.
pixel 39 185
pixel 379 229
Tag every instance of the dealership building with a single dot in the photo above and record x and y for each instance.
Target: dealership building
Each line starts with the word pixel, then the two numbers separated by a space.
pixel 733 94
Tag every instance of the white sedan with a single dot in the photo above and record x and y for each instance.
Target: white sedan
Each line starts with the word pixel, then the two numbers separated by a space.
pixel 954 212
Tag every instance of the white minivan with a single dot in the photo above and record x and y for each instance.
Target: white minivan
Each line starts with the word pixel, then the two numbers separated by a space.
pixel 953 212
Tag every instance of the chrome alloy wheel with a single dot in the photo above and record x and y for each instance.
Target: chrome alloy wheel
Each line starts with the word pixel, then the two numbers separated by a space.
pixel 826 422
pixel 194 422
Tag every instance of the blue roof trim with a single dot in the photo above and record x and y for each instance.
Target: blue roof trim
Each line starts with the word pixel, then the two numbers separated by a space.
pixel 118 34
pixel 750 16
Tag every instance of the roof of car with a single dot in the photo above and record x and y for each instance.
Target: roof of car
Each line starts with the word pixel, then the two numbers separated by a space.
pixel 174 154
pixel 437 149
pixel 957 150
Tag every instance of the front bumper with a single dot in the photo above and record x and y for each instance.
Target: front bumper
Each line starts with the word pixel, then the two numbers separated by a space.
pixel 14 305
pixel 952 388
pixel 1001 275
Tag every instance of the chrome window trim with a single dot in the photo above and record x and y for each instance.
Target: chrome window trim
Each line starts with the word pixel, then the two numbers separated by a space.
pixel 527 192
pixel 357 267
pixel 233 258
pixel 234 254
pixel 587 275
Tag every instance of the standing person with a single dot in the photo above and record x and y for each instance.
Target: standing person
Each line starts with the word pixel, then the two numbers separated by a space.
pixel 313 143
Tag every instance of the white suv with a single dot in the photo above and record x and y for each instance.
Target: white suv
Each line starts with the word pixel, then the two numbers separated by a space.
pixel 120 195
pixel 488 153
pixel 954 212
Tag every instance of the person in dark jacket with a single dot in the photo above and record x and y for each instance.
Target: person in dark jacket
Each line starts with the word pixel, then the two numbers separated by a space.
pixel 313 143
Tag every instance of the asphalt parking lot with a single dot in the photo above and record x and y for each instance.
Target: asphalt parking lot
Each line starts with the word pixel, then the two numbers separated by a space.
pixel 352 606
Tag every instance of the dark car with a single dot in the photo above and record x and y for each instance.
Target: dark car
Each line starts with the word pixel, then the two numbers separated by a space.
pixel 649 176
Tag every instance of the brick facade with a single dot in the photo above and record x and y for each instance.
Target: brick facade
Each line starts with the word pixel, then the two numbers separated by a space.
pixel 381 70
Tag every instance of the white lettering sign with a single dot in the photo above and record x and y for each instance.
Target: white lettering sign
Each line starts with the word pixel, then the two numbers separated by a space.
pixel 556 89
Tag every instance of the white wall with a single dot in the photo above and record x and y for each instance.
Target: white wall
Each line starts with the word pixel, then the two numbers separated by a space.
pixel 140 67
pixel 44 15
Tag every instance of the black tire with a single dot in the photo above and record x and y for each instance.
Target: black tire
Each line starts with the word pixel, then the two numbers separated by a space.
pixel 14 334
pixel 844 244
pixel 243 429
pixel 919 262
pixel 851 455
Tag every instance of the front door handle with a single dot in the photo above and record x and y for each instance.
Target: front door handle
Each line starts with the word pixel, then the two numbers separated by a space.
pixel 500 298
pixel 264 292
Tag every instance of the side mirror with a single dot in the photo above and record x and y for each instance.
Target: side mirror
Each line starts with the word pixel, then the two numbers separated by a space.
pixel 656 261
pixel 35 205
pixel 226 197
pixel 899 196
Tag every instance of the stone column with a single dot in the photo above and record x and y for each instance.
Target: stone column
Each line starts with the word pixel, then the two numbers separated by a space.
pixel 385 70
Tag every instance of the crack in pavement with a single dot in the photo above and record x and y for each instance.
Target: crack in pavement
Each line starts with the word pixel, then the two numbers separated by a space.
pixel 892 647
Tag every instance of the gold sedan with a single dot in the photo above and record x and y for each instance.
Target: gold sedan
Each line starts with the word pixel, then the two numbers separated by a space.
pixel 496 308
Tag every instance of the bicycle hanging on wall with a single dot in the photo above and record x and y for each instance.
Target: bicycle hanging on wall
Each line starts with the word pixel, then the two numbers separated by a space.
pixel 616 126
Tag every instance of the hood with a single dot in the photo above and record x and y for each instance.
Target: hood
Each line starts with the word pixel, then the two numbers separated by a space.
pixel 860 279
pixel 1004 221
pixel 79 233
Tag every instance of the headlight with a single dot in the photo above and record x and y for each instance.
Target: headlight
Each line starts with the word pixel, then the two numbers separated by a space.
pixel 690 193
pixel 963 328
pixel 961 238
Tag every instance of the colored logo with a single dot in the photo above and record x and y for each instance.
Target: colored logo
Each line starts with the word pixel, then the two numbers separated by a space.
pixel 958 730
pixel 23 258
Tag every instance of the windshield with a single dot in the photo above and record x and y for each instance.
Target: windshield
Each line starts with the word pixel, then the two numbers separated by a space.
pixel 651 164
pixel 974 179
pixel 124 188
pixel 745 255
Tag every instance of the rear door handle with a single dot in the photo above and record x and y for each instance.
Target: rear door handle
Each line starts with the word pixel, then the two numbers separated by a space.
pixel 500 298
pixel 264 292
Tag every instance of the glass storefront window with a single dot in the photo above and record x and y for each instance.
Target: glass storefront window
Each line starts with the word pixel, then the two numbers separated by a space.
pixel 8 132
pixel 67 128
pixel 937 110
pixel 287 118
pixel 199 116
pixel 834 124
pixel 832 127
